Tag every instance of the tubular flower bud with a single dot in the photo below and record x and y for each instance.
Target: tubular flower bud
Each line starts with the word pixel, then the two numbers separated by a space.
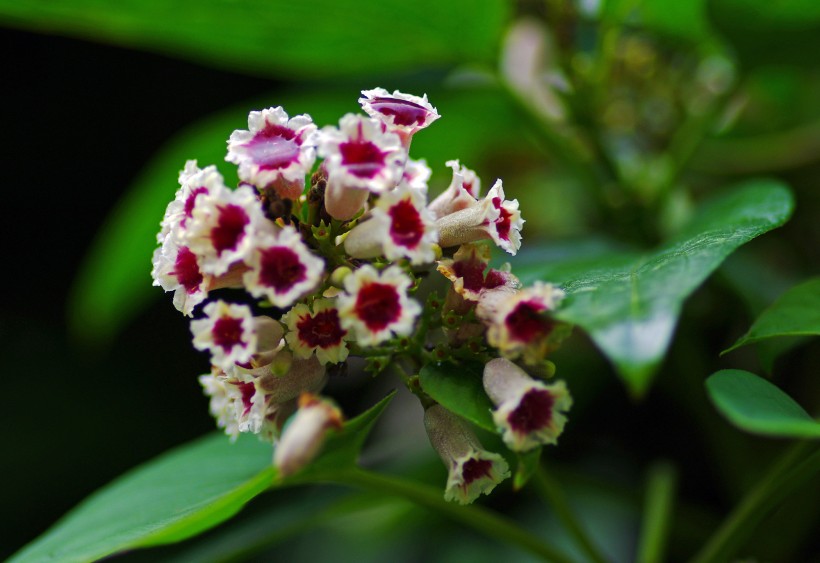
pixel 282 268
pixel 400 227
pixel 375 305
pixel 275 151
pixel 518 322
pixel 320 331
pixel 462 192
pixel 466 271
pixel 402 113
pixel 528 412
pixel 303 437
pixel 472 469
pixel 222 228
pixel 467 225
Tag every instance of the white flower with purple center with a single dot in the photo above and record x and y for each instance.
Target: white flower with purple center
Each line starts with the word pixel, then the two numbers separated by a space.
pixel 319 331
pixel 282 268
pixel 375 305
pixel 519 322
pixel 177 269
pixel 228 331
pixel 276 150
pixel 193 182
pixel 417 174
pixel 360 155
pixel 505 230
pixel 529 413
pixel 466 271
pixel 222 228
pixel 402 113
pixel 400 227
pixel 473 471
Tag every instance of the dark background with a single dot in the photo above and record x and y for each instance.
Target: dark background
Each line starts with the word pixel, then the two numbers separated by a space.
pixel 79 120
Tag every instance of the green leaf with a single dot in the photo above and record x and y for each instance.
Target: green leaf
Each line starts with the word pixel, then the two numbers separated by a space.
pixel 764 32
pixel 113 283
pixel 526 467
pixel 342 448
pixel 753 404
pixel 629 303
pixel 795 313
pixel 310 38
pixel 459 389
pixel 184 492
pixel 175 496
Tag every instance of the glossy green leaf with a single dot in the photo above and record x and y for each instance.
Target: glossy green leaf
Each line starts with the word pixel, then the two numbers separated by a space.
pixel 764 32
pixel 309 38
pixel 795 313
pixel 526 466
pixel 459 389
pixel 180 494
pixel 629 302
pixel 185 492
pixel 753 404
pixel 113 283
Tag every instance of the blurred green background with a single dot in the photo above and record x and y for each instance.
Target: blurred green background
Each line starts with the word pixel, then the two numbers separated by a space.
pixel 610 121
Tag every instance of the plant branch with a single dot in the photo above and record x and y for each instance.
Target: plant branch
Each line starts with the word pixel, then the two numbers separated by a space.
pixel 657 512
pixel 551 492
pixel 787 474
pixel 474 516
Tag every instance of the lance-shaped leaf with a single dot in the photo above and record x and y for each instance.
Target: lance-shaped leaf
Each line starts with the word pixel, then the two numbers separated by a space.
pixel 175 496
pixel 184 492
pixel 629 303
pixel 309 38
pixel 753 404
pixel 795 313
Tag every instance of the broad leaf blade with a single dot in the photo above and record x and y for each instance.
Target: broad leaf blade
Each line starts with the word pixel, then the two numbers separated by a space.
pixel 181 493
pixel 795 313
pixel 629 303
pixel 459 389
pixel 309 38
pixel 753 404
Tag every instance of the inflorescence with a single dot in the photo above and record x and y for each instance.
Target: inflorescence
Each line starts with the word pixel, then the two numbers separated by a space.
pixel 339 256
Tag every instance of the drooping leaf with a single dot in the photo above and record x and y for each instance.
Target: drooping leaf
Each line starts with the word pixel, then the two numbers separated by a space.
pixel 753 404
pixel 527 465
pixel 629 302
pixel 459 389
pixel 795 313
pixel 177 495
pixel 764 32
pixel 310 38
pixel 114 283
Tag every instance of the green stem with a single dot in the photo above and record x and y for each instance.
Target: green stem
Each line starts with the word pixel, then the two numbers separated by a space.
pixel 551 491
pixel 657 512
pixel 787 474
pixel 474 516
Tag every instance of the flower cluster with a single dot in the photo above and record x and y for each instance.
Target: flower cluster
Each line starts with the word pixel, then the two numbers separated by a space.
pixel 330 236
